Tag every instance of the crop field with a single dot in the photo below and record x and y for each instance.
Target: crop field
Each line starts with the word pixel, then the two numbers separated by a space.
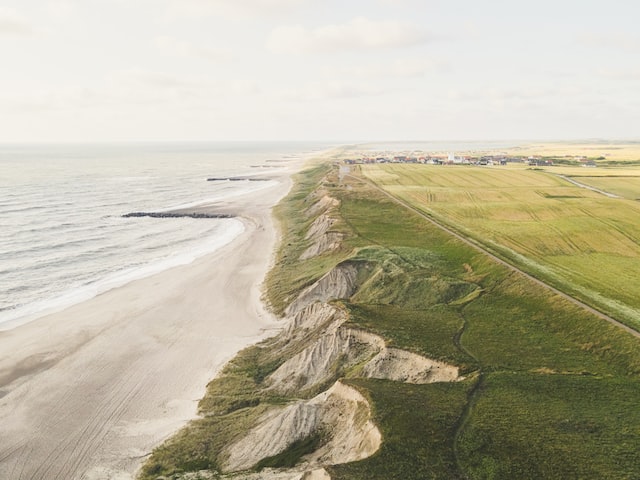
pixel 624 186
pixel 623 182
pixel 579 240
pixel 612 152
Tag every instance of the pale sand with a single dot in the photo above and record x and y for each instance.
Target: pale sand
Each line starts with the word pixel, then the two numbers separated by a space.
pixel 88 392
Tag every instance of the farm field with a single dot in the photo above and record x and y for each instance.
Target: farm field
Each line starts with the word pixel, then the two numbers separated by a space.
pixel 604 151
pixel 625 186
pixel 581 241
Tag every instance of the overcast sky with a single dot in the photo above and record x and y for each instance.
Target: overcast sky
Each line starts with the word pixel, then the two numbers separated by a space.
pixel 350 70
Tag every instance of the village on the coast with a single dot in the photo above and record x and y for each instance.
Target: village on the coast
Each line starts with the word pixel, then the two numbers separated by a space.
pixel 451 158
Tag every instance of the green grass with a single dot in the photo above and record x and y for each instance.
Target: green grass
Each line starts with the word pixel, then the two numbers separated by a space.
pixel 290 274
pixel 533 426
pixel 550 391
pixel 580 241
pixel 622 182
pixel 418 425
pixel 430 331
pixel 198 446
pixel 513 328
pixel 292 455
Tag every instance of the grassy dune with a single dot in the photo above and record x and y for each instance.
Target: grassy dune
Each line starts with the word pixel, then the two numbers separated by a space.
pixel 579 240
pixel 549 391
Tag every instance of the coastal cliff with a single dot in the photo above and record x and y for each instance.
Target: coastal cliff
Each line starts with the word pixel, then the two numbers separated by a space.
pixel 283 406
pixel 404 353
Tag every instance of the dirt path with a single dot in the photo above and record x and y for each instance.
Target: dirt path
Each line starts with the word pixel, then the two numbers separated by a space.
pixel 480 248
pixel 588 187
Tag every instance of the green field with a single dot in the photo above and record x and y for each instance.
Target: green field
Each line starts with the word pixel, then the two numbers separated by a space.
pixel 549 390
pixel 579 240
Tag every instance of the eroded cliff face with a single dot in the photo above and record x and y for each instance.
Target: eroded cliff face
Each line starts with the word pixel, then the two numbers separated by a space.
pixel 320 347
pixel 324 240
pixel 341 415
pixel 340 282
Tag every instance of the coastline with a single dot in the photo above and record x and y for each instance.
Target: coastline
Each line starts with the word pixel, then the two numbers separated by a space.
pixel 89 391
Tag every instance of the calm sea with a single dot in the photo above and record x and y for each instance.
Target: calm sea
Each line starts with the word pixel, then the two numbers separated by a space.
pixel 63 238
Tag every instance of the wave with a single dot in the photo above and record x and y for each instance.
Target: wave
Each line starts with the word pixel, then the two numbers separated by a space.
pixel 12 317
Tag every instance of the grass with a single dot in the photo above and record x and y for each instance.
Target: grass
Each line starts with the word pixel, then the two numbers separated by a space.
pixel 527 426
pixel 550 391
pixel 427 331
pixel 291 274
pixel 198 446
pixel 626 186
pixel 292 455
pixel 578 240
pixel 418 424
pixel 508 328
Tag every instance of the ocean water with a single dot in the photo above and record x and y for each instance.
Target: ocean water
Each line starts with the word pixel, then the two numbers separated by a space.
pixel 64 238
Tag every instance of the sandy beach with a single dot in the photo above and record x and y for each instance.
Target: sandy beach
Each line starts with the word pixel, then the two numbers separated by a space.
pixel 87 393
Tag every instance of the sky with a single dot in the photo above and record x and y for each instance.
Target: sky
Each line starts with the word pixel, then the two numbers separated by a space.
pixel 350 70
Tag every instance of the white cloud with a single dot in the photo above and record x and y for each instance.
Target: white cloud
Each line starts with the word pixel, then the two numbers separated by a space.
pixel 331 90
pixel 358 34
pixel 416 67
pixel 60 9
pixel 616 41
pixel 150 78
pixel 631 74
pixel 400 68
pixel 133 89
pixel 182 48
pixel 197 8
pixel 12 23
pixel 398 3
pixel 525 96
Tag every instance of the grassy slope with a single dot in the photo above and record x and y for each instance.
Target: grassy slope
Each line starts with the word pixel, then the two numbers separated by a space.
pixel 551 391
pixel 524 341
pixel 578 240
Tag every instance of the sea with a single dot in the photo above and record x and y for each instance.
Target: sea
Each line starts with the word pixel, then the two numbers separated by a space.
pixel 63 236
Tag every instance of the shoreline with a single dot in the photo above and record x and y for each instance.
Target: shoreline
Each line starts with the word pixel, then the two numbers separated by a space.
pixel 89 391
pixel 121 278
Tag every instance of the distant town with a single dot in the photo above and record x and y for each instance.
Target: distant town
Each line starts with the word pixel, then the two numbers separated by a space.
pixel 454 159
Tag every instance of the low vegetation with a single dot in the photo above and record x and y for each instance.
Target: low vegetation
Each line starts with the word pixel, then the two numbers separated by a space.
pixel 548 390
pixel 580 241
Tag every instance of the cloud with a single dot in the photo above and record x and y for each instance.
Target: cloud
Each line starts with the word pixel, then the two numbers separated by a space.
pixel 532 97
pixel 181 48
pixel 197 8
pixel 398 69
pixel 616 41
pixel 331 90
pixel 12 23
pixel 61 9
pixel 417 67
pixel 630 74
pixel 358 34
pixel 397 3
pixel 132 89
pixel 150 78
